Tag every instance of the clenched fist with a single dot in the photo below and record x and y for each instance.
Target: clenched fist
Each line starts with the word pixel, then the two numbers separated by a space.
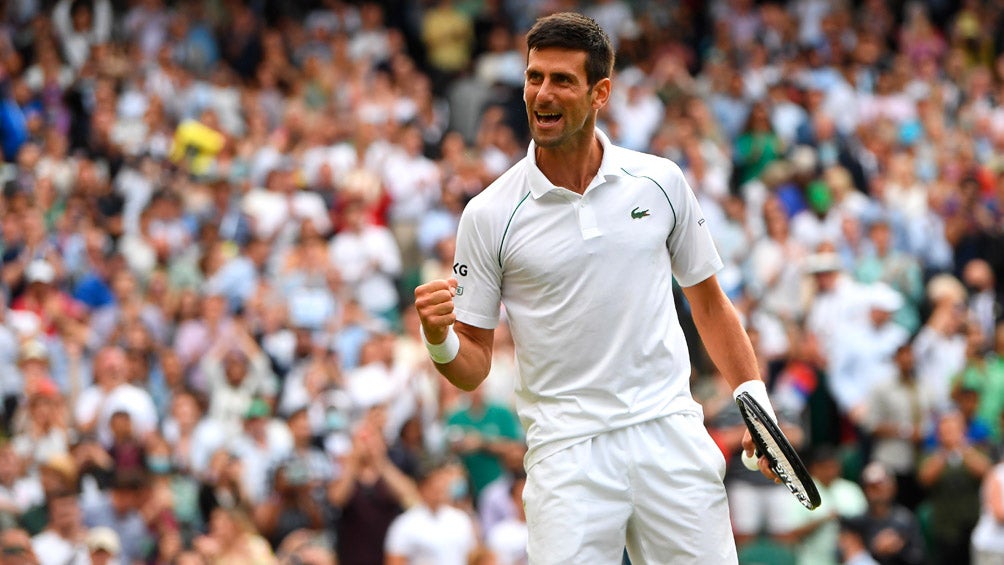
pixel 434 302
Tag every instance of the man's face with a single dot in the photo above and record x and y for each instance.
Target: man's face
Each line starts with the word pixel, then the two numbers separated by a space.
pixel 559 100
pixel 64 513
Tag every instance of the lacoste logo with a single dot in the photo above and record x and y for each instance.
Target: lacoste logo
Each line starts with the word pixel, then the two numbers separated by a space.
pixel 635 214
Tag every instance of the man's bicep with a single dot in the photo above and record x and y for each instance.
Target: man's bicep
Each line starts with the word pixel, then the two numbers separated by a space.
pixel 481 339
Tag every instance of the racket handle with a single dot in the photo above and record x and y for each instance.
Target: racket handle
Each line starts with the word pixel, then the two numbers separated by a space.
pixel 751 462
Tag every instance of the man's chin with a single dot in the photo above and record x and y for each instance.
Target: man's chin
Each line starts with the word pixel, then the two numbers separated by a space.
pixel 545 142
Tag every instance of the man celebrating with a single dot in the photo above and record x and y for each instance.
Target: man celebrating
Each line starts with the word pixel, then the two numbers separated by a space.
pixel 580 240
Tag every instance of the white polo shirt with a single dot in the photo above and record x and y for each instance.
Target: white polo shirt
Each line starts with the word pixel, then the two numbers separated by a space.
pixel 587 285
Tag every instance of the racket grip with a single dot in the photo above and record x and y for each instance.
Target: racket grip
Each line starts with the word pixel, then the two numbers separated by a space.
pixel 751 462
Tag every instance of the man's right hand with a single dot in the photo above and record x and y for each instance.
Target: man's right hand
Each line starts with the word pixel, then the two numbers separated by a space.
pixel 434 303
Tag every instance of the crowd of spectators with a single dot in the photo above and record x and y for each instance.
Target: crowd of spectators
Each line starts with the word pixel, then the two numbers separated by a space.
pixel 213 214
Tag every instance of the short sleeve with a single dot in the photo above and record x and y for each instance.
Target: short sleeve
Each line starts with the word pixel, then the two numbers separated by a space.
pixel 478 273
pixel 398 542
pixel 691 249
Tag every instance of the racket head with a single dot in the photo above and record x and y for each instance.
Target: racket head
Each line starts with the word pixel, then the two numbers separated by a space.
pixel 784 460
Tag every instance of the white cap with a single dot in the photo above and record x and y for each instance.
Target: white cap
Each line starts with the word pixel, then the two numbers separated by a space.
pixel 883 297
pixel 103 538
pixel 39 270
pixel 824 262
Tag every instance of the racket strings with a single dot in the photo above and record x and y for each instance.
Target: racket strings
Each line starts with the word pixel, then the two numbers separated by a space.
pixel 781 467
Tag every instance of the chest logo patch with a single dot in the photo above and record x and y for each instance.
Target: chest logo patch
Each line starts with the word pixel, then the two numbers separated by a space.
pixel 637 214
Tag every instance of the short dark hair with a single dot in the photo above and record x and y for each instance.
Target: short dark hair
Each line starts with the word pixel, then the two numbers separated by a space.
pixel 569 30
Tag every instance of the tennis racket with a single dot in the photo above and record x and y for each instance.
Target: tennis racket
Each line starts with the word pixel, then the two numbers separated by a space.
pixel 784 461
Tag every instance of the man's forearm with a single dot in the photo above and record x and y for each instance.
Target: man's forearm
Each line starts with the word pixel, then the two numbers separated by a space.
pixel 472 363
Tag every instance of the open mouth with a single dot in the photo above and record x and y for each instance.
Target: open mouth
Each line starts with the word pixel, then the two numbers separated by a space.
pixel 547 118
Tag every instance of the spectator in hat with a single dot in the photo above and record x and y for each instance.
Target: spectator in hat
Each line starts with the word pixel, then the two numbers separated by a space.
pixel 836 303
pixel 863 359
pixel 890 531
pixel 57 474
pixel 104 546
pixel 899 270
pixel 44 432
pixel 264 442
pixel 123 509
pixel 940 345
pixel 57 311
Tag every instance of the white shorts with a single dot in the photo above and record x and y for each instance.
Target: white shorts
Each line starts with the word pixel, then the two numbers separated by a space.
pixel 655 488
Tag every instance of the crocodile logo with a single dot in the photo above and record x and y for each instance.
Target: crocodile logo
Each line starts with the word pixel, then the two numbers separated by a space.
pixel 636 214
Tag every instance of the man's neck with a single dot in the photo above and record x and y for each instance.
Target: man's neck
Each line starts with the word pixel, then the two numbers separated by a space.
pixel 572 167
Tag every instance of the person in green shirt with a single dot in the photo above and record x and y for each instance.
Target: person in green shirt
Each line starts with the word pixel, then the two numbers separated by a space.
pixel 480 433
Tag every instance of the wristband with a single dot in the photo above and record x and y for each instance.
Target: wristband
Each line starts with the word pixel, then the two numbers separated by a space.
pixel 445 352
pixel 758 390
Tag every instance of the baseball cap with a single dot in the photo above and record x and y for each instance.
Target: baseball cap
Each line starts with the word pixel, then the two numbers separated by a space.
pixel 33 350
pixel 883 297
pixel 103 538
pixel 823 262
pixel 258 409
pixel 875 472
pixel 39 270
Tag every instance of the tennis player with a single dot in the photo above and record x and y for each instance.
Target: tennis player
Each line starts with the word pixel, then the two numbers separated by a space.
pixel 580 241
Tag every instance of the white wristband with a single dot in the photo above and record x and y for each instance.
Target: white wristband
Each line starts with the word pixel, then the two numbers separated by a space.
pixel 445 352
pixel 758 390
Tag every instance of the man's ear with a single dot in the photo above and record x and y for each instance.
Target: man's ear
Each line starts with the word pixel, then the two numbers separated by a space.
pixel 601 93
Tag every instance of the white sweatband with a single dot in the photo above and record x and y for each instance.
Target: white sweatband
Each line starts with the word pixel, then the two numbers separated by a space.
pixel 758 390
pixel 445 352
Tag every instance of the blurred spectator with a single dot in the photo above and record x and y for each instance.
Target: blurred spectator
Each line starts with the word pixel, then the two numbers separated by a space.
pixel 814 535
pixel 890 532
pixel 481 433
pixel 263 443
pixel 369 261
pixel 80 25
pixel 290 506
pixel 232 540
pixel 16 547
pixel 863 360
pixel 109 394
pixel 432 529
pixel 851 546
pixel 898 418
pixel 63 540
pixel 508 539
pixel 103 545
pixel 988 536
pixel 127 510
pixel 369 494
pixel 951 475
pixel 940 346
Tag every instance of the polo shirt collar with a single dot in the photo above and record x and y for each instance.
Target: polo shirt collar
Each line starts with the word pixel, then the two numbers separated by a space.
pixel 539 185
